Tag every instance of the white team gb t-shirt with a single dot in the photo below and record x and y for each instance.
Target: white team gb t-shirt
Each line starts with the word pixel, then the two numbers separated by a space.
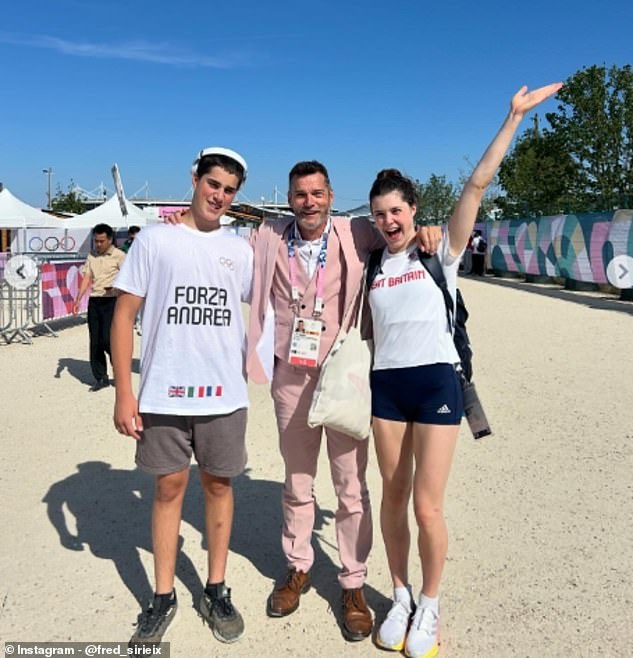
pixel 193 344
pixel 410 326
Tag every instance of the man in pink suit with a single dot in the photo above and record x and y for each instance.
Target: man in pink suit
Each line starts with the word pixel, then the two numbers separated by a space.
pixel 308 270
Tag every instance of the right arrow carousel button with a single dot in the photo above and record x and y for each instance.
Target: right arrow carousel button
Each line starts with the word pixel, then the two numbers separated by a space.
pixel 620 272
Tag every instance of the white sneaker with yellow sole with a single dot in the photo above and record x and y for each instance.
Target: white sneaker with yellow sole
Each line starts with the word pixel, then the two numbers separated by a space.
pixel 423 639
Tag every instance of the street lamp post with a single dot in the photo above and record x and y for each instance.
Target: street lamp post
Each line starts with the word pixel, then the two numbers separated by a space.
pixel 49 173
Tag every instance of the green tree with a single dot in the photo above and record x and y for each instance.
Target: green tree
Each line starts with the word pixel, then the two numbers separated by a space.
pixel 67 201
pixel 436 200
pixel 538 176
pixel 594 122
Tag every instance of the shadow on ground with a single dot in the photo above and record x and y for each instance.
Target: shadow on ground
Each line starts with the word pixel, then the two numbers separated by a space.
pixel 80 370
pixel 112 511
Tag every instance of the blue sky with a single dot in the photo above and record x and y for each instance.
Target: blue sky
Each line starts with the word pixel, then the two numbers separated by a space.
pixel 357 84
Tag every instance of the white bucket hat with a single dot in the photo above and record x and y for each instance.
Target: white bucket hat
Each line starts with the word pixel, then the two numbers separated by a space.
pixel 219 150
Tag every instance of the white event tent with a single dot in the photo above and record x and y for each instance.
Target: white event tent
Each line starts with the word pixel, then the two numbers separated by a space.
pixel 15 214
pixel 34 231
pixel 110 213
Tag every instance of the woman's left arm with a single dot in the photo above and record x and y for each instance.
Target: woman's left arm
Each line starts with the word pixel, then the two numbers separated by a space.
pixel 461 223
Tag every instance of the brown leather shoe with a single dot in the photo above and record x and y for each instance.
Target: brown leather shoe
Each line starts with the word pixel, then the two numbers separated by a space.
pixel 357 621
pixel 285 596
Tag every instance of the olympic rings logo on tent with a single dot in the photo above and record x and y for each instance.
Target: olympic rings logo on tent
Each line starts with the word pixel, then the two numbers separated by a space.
pixel 51 243
pixel 36 243
pixel 67 243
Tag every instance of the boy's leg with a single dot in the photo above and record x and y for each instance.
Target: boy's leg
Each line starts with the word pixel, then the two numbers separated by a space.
pixel 219 445
pixel 166 515
pixel 216 607
pixel 164 449
pixel 218 506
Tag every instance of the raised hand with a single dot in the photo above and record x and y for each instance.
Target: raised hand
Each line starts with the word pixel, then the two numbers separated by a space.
pixel 523 101
pixel 461 223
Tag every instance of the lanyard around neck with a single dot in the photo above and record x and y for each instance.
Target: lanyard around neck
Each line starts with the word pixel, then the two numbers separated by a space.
pixel 320 272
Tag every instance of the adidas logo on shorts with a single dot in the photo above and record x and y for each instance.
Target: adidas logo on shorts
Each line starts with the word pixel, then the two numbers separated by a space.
pixel 444 409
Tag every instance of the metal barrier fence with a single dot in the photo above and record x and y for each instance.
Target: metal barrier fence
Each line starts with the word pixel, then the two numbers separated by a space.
pixel 21 313
pixel 33 292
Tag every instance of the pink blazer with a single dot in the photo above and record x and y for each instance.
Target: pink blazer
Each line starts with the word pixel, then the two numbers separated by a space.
pixel 357 237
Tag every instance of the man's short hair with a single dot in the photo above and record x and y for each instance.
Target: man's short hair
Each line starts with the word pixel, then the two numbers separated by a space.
pixel 104 228
pixel 307 168
pixel 133 230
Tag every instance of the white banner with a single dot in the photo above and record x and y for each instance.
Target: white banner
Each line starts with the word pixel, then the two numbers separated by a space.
pixel 43 241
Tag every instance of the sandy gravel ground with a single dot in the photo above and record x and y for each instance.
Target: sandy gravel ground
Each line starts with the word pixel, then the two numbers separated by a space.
pixel 540 515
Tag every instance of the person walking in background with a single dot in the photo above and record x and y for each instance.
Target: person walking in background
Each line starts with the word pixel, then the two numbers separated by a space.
pixel 479 247
pixel 193 396
pixel 417 402
pixel 308 270
pixel 99 271
pixel 131 234
pixel 467 258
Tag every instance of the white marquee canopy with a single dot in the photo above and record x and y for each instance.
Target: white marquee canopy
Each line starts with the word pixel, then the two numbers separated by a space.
pixel 110 213
pixel 15 214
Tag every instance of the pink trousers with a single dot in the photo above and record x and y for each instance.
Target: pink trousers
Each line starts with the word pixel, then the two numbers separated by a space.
pixel 292 390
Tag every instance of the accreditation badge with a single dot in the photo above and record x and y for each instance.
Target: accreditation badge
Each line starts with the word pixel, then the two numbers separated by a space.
pixel 305 342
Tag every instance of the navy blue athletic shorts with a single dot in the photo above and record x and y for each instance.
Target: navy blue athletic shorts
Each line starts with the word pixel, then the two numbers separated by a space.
pixel 428 394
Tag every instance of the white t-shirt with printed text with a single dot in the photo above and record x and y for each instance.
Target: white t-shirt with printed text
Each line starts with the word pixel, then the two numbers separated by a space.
pixel 193 344
pixel 410 327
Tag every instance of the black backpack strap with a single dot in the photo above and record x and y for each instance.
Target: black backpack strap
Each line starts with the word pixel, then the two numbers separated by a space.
pixel 433 266
pixel 373 266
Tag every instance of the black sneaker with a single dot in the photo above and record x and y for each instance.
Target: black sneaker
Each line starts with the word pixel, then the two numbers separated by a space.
pixel 104 382
pixel 216 609
pixel 153 622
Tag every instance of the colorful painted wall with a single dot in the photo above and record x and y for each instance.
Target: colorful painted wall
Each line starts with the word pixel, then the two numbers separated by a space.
pixel 577 247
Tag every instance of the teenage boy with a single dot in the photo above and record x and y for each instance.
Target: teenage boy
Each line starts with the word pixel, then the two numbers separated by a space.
pixel 193 395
